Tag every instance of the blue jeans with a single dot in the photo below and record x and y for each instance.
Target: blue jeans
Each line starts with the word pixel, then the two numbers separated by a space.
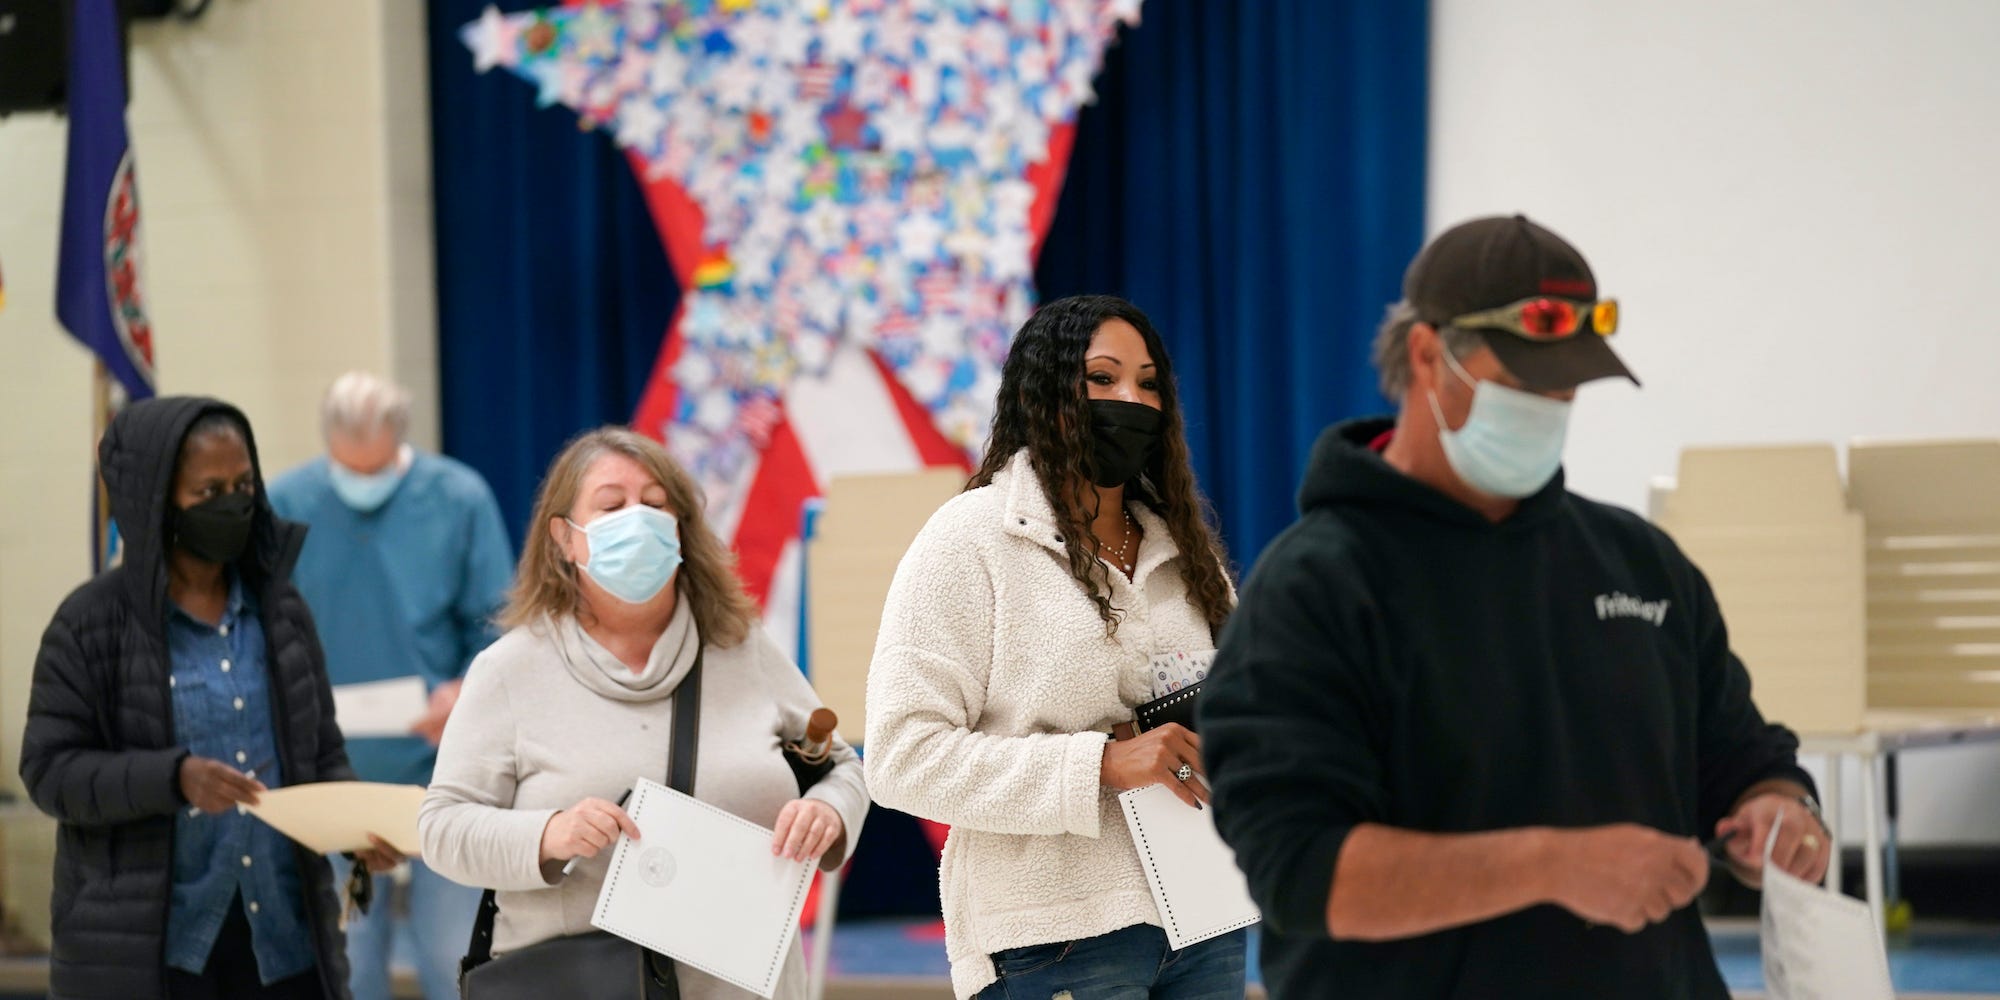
pixel 1132 963
pixel 439 925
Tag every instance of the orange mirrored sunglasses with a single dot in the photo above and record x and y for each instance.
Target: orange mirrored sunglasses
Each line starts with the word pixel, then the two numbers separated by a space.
pixel 1545 318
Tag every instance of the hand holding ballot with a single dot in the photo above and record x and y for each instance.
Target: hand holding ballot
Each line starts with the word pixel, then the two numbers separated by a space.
pixel 584 829
pixel 1169 756
pixel 1802 849
pixel 380 856
pixel 807 829
pixel 1625 875
pixel 442 700
pixel 212 786
pixel 304 813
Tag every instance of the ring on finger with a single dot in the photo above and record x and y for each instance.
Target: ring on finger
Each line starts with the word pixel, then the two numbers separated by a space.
pixel 1184 772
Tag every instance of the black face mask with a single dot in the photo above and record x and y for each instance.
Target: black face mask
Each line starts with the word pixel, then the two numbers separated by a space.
pixel 1124 437
pixel 216 530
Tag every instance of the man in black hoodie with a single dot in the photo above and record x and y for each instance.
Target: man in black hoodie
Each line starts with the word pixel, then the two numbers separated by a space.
pixel 1467 729
pixel 167 691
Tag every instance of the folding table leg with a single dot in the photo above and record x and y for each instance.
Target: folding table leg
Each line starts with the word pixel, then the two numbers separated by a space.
pixel 1871 862
pixel 1831 806
pixel 822 942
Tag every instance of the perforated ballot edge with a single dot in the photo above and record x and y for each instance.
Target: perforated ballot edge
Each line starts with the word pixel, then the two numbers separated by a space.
pixel 641 790
pixel 1178 935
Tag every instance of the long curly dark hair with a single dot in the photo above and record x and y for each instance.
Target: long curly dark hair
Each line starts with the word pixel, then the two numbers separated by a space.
pixel 1043 407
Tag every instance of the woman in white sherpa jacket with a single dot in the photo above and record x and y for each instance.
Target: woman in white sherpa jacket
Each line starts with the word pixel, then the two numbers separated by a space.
pixel 622 586
pixel 1018 634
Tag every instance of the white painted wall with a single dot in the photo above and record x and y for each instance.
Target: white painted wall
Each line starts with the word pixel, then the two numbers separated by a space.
pixel 284 177
pixel 1796 203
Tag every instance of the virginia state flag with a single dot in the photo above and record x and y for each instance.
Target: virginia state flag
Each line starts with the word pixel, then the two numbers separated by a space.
pixel 98 294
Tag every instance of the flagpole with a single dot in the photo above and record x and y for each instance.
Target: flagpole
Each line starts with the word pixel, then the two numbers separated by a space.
pixel 100 498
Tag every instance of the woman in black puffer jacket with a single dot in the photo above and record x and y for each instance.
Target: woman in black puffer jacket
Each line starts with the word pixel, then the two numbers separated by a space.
pixel 167 691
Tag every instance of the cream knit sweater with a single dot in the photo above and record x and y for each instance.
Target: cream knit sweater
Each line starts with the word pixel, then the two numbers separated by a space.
pixel 990 689
pixel 549 716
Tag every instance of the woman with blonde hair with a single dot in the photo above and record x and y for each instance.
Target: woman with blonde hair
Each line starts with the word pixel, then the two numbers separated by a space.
pixel 623 593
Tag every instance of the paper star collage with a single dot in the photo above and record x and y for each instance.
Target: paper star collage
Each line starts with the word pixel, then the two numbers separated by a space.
pixel 859 165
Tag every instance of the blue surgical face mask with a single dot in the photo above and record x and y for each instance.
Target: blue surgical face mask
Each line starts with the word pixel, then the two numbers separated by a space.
pixel 367 492
pixel 634 551
pixel 1511 444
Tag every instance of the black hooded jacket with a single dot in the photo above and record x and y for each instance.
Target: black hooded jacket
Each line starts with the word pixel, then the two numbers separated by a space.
pixel 1398 659
pixel 100 753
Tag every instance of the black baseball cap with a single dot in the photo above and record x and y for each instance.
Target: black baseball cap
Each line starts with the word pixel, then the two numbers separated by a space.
pixel 1498 261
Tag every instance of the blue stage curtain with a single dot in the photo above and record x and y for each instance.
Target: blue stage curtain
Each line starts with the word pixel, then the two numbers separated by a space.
pixel 554 291
pixel 1252 176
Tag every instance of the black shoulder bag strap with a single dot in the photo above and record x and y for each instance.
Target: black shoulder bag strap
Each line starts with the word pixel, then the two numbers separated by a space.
pixel 680 778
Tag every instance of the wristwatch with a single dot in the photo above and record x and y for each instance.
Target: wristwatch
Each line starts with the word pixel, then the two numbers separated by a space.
pixel 1812 806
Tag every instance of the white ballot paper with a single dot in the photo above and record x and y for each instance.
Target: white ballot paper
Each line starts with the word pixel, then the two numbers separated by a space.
pixel 1818 944
pixel 380 708
pixel 334 816
pixel 1196 884
pixel 702 887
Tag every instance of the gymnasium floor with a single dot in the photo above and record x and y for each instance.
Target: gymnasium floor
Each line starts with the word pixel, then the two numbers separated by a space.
pixel 895 959
pixel 904 960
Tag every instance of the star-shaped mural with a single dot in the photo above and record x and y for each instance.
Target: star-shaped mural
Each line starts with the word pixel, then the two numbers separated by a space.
pixel 858 166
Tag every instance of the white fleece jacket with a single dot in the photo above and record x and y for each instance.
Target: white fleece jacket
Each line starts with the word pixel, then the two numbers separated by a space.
pixel 988 697
pixel 549 716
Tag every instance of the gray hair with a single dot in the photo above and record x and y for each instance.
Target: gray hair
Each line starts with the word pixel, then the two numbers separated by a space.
pixel 1392 347
pixel 359 404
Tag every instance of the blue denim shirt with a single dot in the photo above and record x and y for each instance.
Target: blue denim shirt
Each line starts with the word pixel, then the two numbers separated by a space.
pixel 222 709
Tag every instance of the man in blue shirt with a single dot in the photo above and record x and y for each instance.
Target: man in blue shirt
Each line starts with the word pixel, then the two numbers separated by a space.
pixel 406 564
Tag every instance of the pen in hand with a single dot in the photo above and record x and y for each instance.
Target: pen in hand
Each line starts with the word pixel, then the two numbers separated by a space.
pixel 1719 847
pixel 570 865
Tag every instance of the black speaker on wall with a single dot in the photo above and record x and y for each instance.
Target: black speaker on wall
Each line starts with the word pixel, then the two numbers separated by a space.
pixel 34 54
pixel 34 47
